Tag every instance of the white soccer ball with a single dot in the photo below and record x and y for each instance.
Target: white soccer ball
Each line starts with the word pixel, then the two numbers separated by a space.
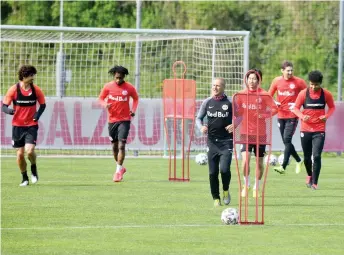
pixel 281 158
pixel 201 159
pixel 272 160
pixel 230 216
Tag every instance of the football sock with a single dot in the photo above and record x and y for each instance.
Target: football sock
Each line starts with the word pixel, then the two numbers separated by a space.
pixel 256 186
pixel 119 168
pixel 34 169
pixel 25 177
pixel 247 181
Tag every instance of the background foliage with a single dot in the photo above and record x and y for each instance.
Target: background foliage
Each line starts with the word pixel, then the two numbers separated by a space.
pixel 304 32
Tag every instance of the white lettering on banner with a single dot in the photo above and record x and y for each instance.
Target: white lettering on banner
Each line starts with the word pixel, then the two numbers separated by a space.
pixel 118 98
pixel 286 93
pixel 74 123
pixel 217 114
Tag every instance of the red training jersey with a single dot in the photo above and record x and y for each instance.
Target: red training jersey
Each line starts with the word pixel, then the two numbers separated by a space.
pixel 23 116
pixel 287 92
pixel 118 98
pixel 261 101
pixel 314 124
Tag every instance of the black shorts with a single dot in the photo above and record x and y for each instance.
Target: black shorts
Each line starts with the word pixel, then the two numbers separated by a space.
pixel 253 147
pixel 24 135
pixel 119 131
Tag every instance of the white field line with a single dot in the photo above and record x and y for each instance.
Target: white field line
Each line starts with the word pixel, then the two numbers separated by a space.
pixel 172 226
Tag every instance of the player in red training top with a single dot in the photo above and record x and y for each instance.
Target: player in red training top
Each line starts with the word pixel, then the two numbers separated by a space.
pixel 257 98
pixel 115 98
pixel 25 96
pixel 313 122
pixel 287 87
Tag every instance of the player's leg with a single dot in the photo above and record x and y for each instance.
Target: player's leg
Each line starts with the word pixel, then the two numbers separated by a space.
pixel 318 142
pixel 22 166
pixel 115 150
pixel 281 126
pixel 260 154
pixel 245 165
pixel 18 142
pixel 30 144
pixel 290 127
pixel 123 132
pixel 113 135
pixel 225 169
pixel 306 144
pixel 213 164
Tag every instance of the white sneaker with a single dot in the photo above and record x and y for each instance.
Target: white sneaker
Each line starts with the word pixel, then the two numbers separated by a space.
pixel 24 183
pixel 298 167
pixel 34 179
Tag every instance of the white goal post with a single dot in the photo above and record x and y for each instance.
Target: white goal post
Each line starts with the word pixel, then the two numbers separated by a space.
pixel 73 64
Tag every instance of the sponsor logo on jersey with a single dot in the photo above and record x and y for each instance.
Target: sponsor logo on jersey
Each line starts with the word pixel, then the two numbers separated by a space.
pixel 286 93
pixel 251 106
pixel 217 114
pixel 259 100
pixel 118 98
pixel 26 101
pixel 312 105
pixel 224 107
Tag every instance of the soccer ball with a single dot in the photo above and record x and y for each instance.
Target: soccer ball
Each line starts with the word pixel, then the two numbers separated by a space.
pixel 272 160
pixel 281 158
pixel 201 159
pixel 230 216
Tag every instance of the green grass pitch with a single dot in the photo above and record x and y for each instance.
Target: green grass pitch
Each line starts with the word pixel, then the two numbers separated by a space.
pixel 75 208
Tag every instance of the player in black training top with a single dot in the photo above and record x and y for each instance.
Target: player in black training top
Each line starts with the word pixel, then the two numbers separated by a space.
pixel 219 128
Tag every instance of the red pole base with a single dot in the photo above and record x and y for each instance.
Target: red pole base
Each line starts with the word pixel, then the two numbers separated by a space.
pixel 179 179
pixel 251 223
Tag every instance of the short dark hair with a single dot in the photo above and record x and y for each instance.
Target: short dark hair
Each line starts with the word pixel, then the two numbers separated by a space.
pixel 255 71
pixel 118 69
pixel 315 76
pixel 285 64
pixel 26 71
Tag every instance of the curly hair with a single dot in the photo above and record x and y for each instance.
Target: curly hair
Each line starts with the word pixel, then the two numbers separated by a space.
pixel 118 69
pixel 26 71
pixel 315 76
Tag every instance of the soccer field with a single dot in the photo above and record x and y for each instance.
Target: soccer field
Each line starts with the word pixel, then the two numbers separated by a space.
pixel 75 208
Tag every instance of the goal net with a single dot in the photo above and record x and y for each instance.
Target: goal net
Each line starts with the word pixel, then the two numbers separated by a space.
pixel 73 64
